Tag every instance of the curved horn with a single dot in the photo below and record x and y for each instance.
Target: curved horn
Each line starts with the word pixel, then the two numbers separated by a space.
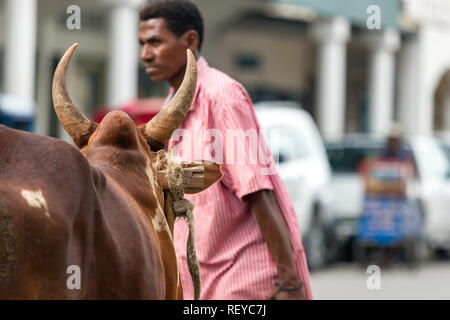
pixel 73 120
pixel 160 128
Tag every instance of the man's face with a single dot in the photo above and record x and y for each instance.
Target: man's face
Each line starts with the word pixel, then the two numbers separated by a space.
pixel 163 53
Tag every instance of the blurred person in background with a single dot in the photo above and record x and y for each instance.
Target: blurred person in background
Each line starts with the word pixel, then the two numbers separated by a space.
pixel 248 242
pixel 394 149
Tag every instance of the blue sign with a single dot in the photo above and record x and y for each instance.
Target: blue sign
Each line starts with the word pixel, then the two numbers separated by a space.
pixel 388 220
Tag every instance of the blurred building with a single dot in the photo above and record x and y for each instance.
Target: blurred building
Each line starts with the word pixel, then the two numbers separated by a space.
pixel 424 66
pixel 355 65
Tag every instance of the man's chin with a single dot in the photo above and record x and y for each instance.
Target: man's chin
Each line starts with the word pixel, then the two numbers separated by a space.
pixel 156 77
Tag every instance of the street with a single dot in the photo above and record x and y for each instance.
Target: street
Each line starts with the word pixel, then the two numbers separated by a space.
pixel 348 281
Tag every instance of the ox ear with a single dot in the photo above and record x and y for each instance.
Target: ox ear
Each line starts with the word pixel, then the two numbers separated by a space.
pixel 197 176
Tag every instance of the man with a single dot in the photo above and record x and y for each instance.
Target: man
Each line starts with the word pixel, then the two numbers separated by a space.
pixel 247 238
pixel 394 150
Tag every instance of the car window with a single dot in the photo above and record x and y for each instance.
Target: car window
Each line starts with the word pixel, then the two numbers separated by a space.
pixel 287 143
pixel 346 159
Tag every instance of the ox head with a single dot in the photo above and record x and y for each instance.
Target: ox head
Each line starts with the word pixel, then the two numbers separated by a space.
pixel 156 132
pixel 118 130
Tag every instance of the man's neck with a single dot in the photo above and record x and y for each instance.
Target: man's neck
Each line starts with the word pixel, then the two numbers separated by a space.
pixel 177 79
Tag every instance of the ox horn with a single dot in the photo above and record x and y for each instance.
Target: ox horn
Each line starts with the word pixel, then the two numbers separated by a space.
pixel 160 128
pixel 72 119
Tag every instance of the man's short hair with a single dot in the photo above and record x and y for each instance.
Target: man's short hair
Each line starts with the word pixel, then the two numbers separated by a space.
pixel 180 16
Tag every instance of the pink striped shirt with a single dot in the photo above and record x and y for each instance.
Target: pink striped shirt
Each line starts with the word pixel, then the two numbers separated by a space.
pixel 234 259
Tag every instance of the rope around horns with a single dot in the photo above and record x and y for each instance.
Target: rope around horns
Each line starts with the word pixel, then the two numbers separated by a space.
pixel 182 208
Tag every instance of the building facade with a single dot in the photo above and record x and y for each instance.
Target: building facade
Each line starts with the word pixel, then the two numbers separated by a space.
pixel 355 65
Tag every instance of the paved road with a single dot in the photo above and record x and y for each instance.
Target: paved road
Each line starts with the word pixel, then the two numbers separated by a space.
pixel 431 280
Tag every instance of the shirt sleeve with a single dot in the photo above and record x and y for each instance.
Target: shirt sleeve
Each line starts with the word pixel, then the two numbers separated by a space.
pixel 245 154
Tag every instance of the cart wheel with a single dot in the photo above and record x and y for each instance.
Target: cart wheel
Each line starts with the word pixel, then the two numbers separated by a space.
pixel 360 254
pixel 413 249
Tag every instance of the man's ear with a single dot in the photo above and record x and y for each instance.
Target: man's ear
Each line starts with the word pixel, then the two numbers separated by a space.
pixel 191 39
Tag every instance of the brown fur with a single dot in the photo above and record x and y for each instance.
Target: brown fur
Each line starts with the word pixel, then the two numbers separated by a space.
pixel 100 205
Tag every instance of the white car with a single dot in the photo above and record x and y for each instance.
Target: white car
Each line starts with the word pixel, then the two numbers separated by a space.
pixel 304 168
pixel 432 188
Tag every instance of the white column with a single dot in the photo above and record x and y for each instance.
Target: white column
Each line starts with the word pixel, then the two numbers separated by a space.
pixel 331 36
pixel 383 44
pixel 416 87
pixel 123 51
pixel 20 48
pixel 408 84
pixel 43 96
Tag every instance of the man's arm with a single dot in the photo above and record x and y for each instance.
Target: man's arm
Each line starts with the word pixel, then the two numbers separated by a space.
pixel 276 235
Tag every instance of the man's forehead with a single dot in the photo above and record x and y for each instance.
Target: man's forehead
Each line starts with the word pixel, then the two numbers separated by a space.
pixel 154 26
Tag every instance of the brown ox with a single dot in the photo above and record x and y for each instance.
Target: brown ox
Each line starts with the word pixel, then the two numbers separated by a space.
pixel 100 209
